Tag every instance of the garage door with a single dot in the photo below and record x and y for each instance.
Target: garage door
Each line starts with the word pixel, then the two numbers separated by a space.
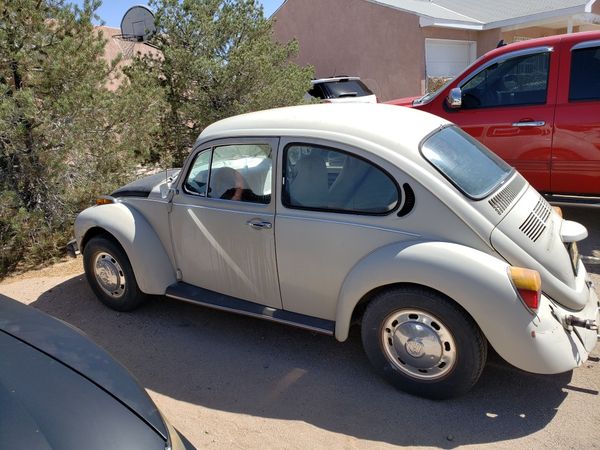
pixel 447 58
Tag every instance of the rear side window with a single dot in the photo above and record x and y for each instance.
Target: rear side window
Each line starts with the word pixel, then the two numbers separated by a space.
pixel 522 80
pixel 465 162
pixel 317 92
pixel 325 179
pixel 347 88
pixel 585 74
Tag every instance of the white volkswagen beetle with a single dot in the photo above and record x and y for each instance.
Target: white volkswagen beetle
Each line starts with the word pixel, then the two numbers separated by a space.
pixel 322 216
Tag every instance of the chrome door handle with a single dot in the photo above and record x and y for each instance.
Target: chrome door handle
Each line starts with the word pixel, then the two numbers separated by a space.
pixel 539 123
pixel 259 224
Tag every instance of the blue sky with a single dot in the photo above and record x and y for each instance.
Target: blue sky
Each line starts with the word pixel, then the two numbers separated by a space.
pixel 112 11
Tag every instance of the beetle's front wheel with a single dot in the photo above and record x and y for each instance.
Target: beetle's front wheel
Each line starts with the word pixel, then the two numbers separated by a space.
pixel 423 343
pixel 110 275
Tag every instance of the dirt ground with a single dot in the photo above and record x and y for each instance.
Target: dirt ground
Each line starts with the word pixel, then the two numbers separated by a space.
pixel 227 381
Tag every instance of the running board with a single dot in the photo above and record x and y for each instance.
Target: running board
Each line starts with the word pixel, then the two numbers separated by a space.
pixel 199 296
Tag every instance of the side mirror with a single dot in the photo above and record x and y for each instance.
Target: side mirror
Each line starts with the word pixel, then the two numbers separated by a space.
pixel 454 99
pixel 167 192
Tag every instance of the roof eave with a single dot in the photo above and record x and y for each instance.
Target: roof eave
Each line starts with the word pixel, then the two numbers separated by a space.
pixel 540 17
pixel 426 21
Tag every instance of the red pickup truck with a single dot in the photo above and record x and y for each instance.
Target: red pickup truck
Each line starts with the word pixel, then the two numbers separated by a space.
pixel 536 104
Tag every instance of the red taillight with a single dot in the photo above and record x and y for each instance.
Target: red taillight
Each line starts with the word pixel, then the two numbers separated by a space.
pixel 530 298
pixel 528 284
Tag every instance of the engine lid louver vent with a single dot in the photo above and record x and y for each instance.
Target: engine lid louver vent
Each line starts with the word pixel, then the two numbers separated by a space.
pixel 535 224
pixel 504 198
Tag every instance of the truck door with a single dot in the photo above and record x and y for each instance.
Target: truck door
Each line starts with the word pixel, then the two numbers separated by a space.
pixel 508 105
pixel 576 148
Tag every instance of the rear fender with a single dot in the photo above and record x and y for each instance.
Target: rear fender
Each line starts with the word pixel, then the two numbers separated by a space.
pixel 476 281
pixel 149 260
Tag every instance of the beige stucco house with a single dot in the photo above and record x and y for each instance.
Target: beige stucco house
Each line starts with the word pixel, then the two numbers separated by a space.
pixel 127 49
pixel 396 45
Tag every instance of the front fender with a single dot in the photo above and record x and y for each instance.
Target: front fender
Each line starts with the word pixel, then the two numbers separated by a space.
pixel 149 260
pixel 479 283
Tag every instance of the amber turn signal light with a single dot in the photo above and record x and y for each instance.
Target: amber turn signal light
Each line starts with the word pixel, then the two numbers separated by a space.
pixel 528 284
pixel 558 211
pixel 104 201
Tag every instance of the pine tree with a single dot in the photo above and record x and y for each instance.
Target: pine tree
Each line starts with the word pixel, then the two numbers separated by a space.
pixel 218 58
pixel 64 137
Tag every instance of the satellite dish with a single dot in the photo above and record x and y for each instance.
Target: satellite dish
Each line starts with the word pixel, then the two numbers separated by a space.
pixel 138 24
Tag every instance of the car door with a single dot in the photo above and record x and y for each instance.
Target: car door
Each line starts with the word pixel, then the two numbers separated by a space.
pixel 335 206
pixel 222 220
pixel 508 105
pixel 576 147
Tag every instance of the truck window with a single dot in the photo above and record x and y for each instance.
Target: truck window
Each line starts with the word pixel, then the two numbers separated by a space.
pixel 465 162
pixel 585 74
pixel 522 80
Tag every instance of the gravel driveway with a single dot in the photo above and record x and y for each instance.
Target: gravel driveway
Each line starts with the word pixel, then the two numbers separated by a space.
pixel 227 381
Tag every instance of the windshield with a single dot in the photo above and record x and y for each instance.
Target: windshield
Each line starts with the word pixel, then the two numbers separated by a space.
pixel 467 163
pixel 430 95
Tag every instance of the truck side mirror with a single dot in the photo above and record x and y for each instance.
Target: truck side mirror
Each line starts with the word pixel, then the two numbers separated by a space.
pixel 454 99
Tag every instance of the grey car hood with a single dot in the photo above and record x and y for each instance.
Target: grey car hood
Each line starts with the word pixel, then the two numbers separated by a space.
pixel 69 346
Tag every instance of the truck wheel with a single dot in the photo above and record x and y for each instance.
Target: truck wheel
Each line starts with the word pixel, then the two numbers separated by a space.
pixel 423 343
pixel 110 275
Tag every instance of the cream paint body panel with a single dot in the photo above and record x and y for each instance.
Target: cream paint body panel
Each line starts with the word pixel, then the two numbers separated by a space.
pixel 215 247
pixel 480 284
pixel 316 250
pixel 222 253
pixel 155 211
pixel 316 254
pixel 150 262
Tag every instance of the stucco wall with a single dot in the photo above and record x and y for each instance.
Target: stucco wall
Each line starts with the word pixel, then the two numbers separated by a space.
pixel 531 32
pixel 127 50
pixel 384 46
pixel 354 37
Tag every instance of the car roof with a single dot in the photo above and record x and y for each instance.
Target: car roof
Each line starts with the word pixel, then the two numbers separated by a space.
pixel 544 41
pixel 398 128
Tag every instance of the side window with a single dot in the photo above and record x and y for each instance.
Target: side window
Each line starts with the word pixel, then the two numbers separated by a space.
pixel 317 91
pixel 585 74
pixel 522 80
pixel 241 173
pixel 322 178
pixel 197 179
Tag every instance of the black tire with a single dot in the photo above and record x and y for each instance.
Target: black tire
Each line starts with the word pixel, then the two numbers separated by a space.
pixel 119 289
pixel 397 352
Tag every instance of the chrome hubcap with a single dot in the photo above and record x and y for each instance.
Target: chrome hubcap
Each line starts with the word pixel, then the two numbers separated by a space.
pixel 109 274
pixel 418 344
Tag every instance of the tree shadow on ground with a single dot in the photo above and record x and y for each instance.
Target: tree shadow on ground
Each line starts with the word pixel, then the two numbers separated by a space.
pixel 232 363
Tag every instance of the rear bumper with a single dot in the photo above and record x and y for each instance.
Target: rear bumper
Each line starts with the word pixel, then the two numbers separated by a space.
pixel 557 347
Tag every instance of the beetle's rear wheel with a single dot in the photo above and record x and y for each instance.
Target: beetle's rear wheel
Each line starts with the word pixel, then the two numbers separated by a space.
pixel 423 343
pixel 110 275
